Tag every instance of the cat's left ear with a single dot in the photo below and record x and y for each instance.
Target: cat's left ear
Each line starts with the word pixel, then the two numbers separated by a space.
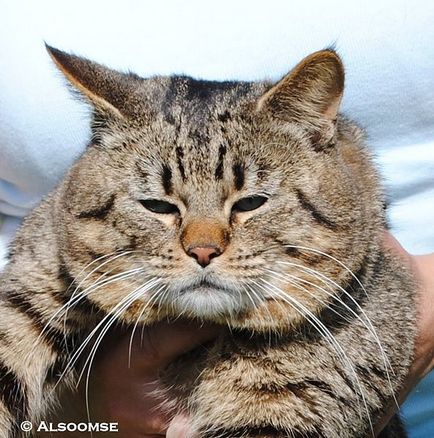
pixel 309 95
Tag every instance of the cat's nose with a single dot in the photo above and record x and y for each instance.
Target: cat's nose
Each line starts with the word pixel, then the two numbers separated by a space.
pixel 204 254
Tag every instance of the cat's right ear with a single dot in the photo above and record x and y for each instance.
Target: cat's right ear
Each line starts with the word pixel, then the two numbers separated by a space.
pixel 309 95
pixel 107 90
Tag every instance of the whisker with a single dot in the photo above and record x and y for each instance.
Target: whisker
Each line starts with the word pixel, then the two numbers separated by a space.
pixel 100 283
pixel 322 329
pixel 295 281
pixel 317 251
pixel 145 306
pixel 114 317
pixel 77 353
pixel 368 324
pixel 60 312
pixel 113 256
pixel 268 311
pixel 117 310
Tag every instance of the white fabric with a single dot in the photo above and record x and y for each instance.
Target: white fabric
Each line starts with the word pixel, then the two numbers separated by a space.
pixel 387 47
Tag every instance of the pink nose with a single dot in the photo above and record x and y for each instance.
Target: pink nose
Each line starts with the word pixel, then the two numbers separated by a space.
pixel 204 254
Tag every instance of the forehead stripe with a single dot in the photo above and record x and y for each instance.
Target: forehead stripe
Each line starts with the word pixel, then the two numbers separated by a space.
pixel 238 170
pixel 219 169
pixel 166 176
pixel 179 159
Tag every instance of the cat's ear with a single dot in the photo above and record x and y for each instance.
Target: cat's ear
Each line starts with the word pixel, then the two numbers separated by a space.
pixel 107 90
pixel 310 95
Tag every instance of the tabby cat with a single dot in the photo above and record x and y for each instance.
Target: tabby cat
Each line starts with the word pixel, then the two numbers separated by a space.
pixel 249 204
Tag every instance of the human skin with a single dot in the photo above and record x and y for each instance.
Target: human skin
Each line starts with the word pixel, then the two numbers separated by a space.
pixel 422 267
pixel 125 390
pixel 127 393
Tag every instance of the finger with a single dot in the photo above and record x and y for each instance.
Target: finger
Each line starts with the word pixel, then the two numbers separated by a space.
pixel 391 243
pixel 164 342
pixel 180 427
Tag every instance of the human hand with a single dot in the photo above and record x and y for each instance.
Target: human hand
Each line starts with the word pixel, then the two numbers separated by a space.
pixel 422 267
pixel 129 395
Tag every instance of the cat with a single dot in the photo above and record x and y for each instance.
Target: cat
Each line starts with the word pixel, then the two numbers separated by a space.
pixel 248 204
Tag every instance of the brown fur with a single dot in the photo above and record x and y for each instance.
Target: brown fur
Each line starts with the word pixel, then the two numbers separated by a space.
pixel 306 355
pixel 204 232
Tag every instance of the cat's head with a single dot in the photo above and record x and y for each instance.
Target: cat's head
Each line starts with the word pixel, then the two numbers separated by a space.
pixel 245 203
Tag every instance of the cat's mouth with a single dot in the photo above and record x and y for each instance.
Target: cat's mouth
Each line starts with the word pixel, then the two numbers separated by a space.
pixel 205 286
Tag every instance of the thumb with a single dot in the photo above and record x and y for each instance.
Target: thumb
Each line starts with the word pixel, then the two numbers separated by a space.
pixel 180 427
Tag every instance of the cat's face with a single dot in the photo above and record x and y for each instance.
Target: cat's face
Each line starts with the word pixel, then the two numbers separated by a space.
pixel 229 202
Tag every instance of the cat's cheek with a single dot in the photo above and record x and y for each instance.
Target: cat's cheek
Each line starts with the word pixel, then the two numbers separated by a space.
pixel 135 314
pixel 95 235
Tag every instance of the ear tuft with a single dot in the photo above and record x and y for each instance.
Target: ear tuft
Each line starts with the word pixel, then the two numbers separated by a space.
pixel 310 94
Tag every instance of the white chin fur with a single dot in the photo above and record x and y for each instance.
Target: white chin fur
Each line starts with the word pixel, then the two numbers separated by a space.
pixel 208 303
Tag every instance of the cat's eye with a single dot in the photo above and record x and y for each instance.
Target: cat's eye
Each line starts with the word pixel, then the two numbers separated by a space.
pixel 161 207
pixel 248 204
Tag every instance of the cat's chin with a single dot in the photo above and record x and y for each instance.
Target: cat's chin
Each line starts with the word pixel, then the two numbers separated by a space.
pixel 269 316
pixel 209 304
pixel 226 308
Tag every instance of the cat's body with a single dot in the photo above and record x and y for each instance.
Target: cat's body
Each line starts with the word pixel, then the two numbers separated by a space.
pixel 237 203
